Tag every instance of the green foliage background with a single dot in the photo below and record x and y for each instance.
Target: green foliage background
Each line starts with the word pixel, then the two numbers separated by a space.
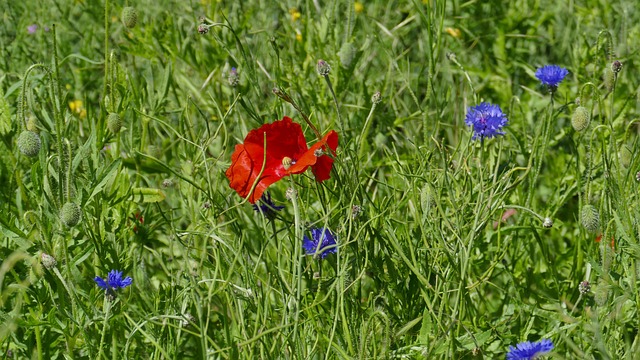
pixel 427 269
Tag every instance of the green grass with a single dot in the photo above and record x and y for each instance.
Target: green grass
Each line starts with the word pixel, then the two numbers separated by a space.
pixel 425 270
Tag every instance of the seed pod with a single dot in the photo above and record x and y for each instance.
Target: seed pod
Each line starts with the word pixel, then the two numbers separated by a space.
pixel 580 119
pixel 114 123
pixel 129 17
pixel 70 214
pixel 590 218
pixel 29 143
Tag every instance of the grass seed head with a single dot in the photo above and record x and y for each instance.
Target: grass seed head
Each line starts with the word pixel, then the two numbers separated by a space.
pixel 590 218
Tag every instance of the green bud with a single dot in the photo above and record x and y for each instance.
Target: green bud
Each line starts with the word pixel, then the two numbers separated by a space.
pixel 580 119
pixel 48 261
pixel 129 17
pixel 114 123
pixel 625 156
pixel 29 143
pixel 609 79
pixel 590 218
pixel 70 214
pixel 601 293
pixel 346 54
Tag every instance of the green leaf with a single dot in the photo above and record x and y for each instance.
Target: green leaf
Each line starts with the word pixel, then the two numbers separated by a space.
pixel 147 195
pixel 5 115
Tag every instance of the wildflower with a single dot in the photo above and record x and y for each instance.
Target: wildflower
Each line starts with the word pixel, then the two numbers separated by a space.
pixel 31 29
pixel 486 119
pixel 286 153
pixel 322 242
pixel 358 7
pixel 455 32
pixel 203 29
pixel 267 207
pixel 584 287
pixel 298 36
pixel 113 282
pixel 551 75
pixel 233 77
pixel 547 223
pixel 613 240
pixel 295 14
pixel 528 350
pixel 77 108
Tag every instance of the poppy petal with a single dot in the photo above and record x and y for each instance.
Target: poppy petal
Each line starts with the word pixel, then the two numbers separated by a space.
pixel 322 168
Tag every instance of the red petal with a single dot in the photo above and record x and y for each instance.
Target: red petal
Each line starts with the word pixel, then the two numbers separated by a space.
pixel 322 167
pixel 284 138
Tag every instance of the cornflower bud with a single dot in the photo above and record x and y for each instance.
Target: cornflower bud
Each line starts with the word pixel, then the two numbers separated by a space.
pixel 323 68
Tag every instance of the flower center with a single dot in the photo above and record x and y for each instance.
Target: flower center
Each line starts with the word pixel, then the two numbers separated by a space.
pixel 287 162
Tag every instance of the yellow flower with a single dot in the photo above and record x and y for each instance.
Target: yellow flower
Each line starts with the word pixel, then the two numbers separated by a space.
pixel 298 35
pixel 453 32
pixel 77 108
pixel 358 7
pixel 295 14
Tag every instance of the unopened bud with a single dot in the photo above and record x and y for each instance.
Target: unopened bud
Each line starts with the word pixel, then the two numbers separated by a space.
pixel 129 17
pixel 376 98
pixel 48 261
pixel 616 66
pixel 547 223
pixel 580 119
pixel 323 68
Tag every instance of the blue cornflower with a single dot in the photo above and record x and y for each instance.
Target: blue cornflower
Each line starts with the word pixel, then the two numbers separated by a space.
pixel 322 239
pixel 114 281
pixel 528 350
pixel 486 119
pixel 551 75
pixel 267 207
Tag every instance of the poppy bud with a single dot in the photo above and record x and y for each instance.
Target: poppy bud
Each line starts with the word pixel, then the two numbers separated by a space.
pixel 609 79
pixel 602 293
pixel 323 68
pixel 129 17
pixel 580 119
pixel 346 54
pixel 114 123
pixel 607 257
pixel 590 218
pixel 625 156
pixel 29 143
pixel 70 214
pixel 32 125
pixel 286 162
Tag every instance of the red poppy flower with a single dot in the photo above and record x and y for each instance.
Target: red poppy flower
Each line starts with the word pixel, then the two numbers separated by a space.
pixel 286 153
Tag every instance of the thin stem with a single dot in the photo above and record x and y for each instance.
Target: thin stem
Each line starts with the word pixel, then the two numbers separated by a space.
pixel 107 308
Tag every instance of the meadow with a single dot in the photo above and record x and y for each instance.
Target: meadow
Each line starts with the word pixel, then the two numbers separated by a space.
pixel 307 179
